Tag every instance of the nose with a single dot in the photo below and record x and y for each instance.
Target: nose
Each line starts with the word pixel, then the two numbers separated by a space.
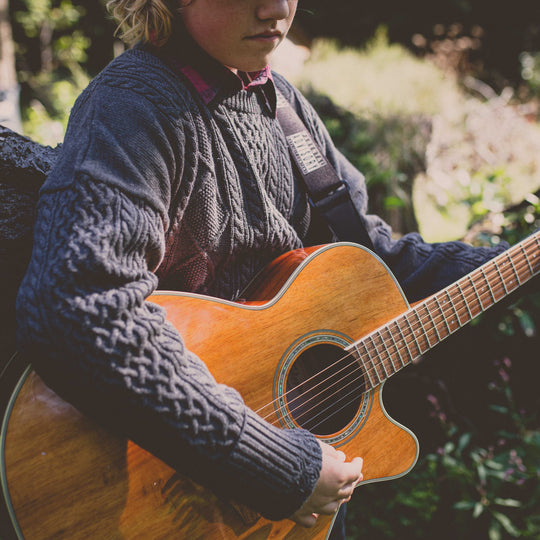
pixel 273 9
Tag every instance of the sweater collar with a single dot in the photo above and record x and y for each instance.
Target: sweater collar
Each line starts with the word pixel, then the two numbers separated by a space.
pixel 209 77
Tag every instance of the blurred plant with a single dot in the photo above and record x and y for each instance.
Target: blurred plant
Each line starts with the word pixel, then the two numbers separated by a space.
pixel 389 150
pixel 453 152
pixel 530 70
pixel 382 76
pixel 479 483
pixel 52 83
pixel 451 47
pixel 483 156
pixel 480 477
pixel 43 20
pixel 499 483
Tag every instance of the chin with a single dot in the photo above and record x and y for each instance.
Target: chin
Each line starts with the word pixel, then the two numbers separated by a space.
pixel 253 65
pixel 248 68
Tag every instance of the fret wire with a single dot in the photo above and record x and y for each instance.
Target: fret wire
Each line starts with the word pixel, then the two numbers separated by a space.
pixel 513 268
pixel 373 365
pixel 501 277
pixel 412 334
pixel 360 361
pixel 366 368
pixel 488 285
pixel 386 350
pixel 469 301
pixel 442 313
pixel 535 254
pixel 433 323
pixel 411 356
pixel 458 322
pixel 478 297
pixel 464 300
pixel 396 346
pixel 370 337
pixel 527 260
pixel 403 338
pixel 423 330
pixel 427 331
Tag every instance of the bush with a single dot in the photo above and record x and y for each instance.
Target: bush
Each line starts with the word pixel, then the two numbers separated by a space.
pixel 435 157
pixel 478 474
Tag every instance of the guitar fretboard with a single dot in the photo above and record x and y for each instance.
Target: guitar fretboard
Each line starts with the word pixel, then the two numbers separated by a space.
pixel 403 340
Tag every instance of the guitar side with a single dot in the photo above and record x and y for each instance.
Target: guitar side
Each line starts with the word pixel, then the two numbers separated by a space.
pixel 52 454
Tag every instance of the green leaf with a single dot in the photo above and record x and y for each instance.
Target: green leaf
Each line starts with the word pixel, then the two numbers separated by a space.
pixel 482 474
pixel 494 465
pixel 478 509
pixel 508 502
pixel 465 505
pixel 464 441
pixel 527 324
pixel 499 409
pixel 506 523
pixel 495 531
pixel 393 202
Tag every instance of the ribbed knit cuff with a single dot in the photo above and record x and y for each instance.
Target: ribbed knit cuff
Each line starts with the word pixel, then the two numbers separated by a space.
pixel 281 467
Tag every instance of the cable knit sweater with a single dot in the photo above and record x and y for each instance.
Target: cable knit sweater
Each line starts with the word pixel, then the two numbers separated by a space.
pixel 153 187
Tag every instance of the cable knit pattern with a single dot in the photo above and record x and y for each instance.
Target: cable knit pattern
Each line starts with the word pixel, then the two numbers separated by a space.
pixel 153 186
pixel 97 237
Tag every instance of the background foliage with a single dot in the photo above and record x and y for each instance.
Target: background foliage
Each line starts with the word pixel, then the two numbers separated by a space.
pixel 501 32
pixel 437 103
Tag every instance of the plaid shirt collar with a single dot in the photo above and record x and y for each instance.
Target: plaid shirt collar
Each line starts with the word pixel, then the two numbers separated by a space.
pixel 209 77
pixel 208 85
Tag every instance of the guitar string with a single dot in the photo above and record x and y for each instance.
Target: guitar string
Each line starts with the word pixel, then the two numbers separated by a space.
pixel 384 343
pixel 359 369
pixel 375 349
pixel 326 418
pixel 356 397
pixel 510 270
pixel 360 390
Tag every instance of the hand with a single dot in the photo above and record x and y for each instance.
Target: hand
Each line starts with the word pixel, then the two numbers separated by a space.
pixel 335 485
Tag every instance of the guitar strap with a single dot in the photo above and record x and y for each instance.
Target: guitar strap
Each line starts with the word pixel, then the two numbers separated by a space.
pixel 328 194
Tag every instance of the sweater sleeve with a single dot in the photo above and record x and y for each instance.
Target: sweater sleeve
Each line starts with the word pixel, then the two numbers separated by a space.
pixel 420 267
pixel 84 322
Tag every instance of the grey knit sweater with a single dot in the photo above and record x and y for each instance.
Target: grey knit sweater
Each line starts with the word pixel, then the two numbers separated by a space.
pixel 153 187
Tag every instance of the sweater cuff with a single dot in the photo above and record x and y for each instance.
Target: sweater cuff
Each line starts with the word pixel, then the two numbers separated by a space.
pixel 280 466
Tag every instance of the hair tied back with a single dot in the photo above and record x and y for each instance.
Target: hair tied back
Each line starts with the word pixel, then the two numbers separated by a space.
pixel 143 20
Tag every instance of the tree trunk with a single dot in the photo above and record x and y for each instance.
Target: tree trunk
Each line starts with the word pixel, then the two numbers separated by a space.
pixel 9 88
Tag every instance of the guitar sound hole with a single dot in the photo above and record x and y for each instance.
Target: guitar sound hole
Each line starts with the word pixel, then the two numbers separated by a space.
pixel 324 389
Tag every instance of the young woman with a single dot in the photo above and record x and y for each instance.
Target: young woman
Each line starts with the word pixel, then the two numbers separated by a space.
pixel 175 173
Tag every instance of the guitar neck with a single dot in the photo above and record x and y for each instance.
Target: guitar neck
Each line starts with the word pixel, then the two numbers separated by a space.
pixel 404 339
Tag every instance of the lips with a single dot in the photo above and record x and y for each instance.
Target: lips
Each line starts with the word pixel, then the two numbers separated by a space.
pixel 269 34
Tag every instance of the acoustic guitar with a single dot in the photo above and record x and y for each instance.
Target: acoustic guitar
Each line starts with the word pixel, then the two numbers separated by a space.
pixel 314 339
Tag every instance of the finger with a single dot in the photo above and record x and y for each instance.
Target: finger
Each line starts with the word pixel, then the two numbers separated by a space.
pixel 353 471
pixel 329 508
pixel 305 520
pixel 326 448
pixel 333 453
pixel 346 491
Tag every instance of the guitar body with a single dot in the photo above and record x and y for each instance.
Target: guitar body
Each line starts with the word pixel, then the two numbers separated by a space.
pixel 64 477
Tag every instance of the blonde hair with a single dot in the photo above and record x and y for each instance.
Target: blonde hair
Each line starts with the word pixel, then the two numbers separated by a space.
pixel 144 20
